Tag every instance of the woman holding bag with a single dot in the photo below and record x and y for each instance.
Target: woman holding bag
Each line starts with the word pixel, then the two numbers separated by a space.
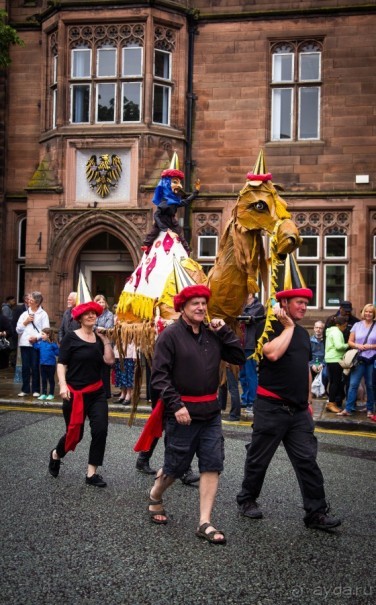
pixel 363 338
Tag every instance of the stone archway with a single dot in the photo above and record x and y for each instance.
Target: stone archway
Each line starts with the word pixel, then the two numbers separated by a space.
pixel 72 229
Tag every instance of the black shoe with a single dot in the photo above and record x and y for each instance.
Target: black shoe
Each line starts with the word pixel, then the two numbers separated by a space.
pixel 232 419
pixel 53 466
pixel 96 481
pixel 321 520
pixel 250 509
pixel 189 477
pixel 144 467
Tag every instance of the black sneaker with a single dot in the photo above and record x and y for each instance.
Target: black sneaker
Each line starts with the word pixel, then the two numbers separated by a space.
pixel 250 509
pixel 54 466
pixel 189 477
pixel 96 481
pixel 321 520
pixel 144 467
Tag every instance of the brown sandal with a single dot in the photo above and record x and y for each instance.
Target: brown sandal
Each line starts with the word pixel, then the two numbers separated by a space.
pixel 209 536
pixel 156 513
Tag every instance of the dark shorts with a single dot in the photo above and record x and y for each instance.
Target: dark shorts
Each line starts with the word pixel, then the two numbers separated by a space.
pixel 182 442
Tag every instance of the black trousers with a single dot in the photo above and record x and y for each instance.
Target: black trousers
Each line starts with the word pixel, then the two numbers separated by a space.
pixel 336 383
pixel 274 425
pixel 96 409
pixel 47 373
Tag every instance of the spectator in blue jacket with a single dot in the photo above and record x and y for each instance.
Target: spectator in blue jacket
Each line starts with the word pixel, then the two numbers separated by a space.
pixel 48 351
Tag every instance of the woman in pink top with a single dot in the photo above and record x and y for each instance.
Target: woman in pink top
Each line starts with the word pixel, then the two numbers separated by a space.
pixel 362 331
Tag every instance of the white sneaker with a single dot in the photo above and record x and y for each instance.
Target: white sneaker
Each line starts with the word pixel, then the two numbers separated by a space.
pixel 36 394
pixel 22 394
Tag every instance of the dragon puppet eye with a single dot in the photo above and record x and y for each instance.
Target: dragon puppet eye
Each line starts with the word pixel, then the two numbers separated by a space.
pixel 259 206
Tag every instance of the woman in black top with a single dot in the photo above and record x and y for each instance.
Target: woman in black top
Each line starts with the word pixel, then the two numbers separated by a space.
pixel 82 356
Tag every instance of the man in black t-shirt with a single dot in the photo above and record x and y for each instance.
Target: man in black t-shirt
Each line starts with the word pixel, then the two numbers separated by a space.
pixel 282 414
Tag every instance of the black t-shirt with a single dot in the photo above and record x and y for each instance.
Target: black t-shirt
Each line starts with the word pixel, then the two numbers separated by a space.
pixel 84 360
pixel 288 377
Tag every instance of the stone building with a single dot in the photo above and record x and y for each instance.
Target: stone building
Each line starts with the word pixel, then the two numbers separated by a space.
pixel 111 89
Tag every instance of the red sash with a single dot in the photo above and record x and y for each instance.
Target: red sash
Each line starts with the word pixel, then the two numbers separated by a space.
pixel 77 415
pixel 154 424
pixel 266 393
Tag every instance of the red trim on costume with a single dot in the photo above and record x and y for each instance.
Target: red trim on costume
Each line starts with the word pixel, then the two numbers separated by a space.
pixel 259 177
pixel 266 393
pixel 77 415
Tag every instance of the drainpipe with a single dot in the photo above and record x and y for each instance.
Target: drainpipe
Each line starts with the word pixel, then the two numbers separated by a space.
pixel 192 32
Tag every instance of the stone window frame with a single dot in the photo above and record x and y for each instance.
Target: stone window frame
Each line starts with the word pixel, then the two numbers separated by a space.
pixel 322 225
pixel 299 87
pixel 164 45
pixel 206 223
pixel 119 36
pixel 96 38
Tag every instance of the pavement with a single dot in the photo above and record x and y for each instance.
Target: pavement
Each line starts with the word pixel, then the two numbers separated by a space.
pixel 10 386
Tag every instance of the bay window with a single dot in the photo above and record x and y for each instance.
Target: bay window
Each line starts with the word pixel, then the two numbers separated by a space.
pixel 295 91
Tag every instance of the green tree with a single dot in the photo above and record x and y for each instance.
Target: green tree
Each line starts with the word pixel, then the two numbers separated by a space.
pixel 8 36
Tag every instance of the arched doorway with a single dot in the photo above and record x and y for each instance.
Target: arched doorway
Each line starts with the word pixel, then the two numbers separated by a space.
pixel 106 264
pixel 97 243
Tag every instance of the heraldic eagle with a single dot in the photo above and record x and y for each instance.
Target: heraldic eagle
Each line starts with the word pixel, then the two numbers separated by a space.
pixel 103 175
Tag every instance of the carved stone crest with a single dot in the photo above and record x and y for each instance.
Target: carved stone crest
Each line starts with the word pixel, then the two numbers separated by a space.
pixel 103 175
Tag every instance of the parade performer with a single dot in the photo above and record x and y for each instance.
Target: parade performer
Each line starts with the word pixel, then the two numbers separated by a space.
pixel 282 413
pixel 83 352
pixel 168 197
pixel 185 372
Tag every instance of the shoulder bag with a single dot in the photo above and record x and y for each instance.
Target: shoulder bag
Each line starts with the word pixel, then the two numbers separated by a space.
pixel 351 357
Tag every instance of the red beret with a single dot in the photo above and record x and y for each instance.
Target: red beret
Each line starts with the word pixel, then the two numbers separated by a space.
pixel 191 292
pixel 301 292
pixel 173 172
pixel 85 307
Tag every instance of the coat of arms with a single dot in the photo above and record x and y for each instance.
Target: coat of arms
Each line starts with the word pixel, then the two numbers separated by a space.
pixel 103 175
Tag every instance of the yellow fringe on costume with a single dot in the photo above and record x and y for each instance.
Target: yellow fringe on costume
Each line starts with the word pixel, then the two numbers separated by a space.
pixel 141 307
pixel 142 335
pixel 270 316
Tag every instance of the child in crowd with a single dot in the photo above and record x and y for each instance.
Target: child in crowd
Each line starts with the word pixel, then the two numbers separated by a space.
pixel 48 350
pixel 124 378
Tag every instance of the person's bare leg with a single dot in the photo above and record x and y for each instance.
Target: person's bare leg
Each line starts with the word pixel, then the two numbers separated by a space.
pixel 208 491
pixel 91 470
pixel 161 483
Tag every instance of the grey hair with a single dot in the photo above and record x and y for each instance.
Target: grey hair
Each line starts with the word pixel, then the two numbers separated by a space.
pixel 37 296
